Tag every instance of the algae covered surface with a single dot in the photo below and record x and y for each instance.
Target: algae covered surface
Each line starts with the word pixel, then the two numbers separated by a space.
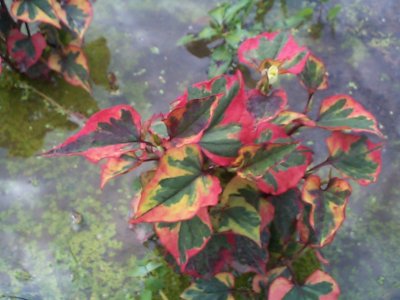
pixel 63 238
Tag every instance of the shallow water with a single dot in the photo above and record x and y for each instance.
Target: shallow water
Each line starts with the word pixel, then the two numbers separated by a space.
pixel 44 257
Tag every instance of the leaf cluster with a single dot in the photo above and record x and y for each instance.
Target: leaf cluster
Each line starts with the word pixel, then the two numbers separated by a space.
pixel 231 23
pixel 39 36
pixel 234 190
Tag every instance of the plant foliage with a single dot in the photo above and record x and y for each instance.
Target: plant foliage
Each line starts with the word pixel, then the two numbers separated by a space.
pixel 37 36
pixel 234 191
pixel 232 22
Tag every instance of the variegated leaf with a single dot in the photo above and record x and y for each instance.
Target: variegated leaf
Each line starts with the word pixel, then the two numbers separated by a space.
pixel 185 239
pixel 213 259
pixel 75 14
pixel 25 50
pixel 72 64
pixel 267 132
pixel 116 166
pixel 238 213
pixel 319 286
pixel 327 207
pixel 274 167
pixel 222 143
pixel 179 188
pixel 246 256
pixel 261 283
pixel 108 133
pixel 287 207
pixel 35 11
pixel 186 124
pixel 314 76
pixel 355 156
pixel 342 112
pixel 287 117
pixel 277 49
pixel 266 107
pixel 218 288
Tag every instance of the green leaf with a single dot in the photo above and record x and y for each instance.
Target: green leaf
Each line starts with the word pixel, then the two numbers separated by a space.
pixel 208 33
pixel 333 12
pixel 186 39
pixel 221 59
pixel 216 288
pixel 233 10
pixel 297 20
pixel 217 14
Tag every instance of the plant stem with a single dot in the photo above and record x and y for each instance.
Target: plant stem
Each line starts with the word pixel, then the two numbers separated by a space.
pixel 320 165
pixel 307 108
pixel 80 120
pixel 27 29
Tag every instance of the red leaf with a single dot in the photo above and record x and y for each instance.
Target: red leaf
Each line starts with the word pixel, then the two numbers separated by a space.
pixel 25 50
pixel 108 133
pixel 316 285
pixel 274 48
pixel 342 112
pixel 267 132
pixel 266 107
pixel 116 166
pixel 182 241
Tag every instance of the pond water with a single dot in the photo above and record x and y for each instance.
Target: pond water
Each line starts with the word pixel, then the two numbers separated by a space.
pixel 46 255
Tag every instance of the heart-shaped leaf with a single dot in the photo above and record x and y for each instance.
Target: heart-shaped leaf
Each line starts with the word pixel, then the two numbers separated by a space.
pixel 75 14
pixel 266 107
pixel 117 166
pixel 179 188
pixel 72 64
pixel 35 11
pixel 108 133
pixel 25 50
pixel 274 167
pixel 276 48
pixel 355 156
pixel 185 239
pixel 319 286
pixel 342 112
pixel 314 76
pixel 218 287
pixel 327 207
